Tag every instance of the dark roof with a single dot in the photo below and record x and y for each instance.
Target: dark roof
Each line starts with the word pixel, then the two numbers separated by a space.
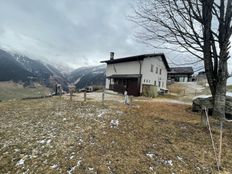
pixel 136 58
pixel 181 70
pixel 124 76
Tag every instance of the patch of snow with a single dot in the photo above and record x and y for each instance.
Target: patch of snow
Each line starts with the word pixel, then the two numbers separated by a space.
pixel 90 168
pixel 207 96
pixel 77 81
pixel 114 123
pixel 54 166
pixel 71 170
pixel 201 96
pixel 20 162
pixel 150 155
pixel 169 162
pixel 78 163
pixel 80 141
pixel 49 141
pixel 71 157
pixel 64 119
pixel 42 141
pixel 101 114
pixel 180 158
pixel 151 168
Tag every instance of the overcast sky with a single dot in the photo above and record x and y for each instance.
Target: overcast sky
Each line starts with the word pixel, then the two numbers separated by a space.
pixel 74 32
pixel 77 32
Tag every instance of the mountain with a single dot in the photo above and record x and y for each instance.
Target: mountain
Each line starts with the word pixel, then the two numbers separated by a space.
pixel 85 76
pixel 10 69
pixel 45 73
pixel 20 68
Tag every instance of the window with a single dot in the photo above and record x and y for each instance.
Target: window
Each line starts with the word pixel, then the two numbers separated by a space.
pixel 155 83
pixel 162 84
pixel 160 71
pixel 152 68
pixel 159 83
pixel 156 71
pixel 144 80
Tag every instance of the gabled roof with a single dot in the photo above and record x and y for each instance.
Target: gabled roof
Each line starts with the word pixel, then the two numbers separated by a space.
pixel 136 58
pixel 181 70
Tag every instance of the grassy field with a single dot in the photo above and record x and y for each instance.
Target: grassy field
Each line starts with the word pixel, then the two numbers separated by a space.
pixel 56 136
pixel 13 91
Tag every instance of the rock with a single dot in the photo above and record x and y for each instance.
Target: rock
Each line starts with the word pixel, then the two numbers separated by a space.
pixel 206 101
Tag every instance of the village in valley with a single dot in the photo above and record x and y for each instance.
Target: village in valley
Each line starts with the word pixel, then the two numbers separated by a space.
pixel 125 112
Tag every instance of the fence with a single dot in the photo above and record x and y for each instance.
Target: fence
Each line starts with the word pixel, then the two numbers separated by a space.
pixel 104 95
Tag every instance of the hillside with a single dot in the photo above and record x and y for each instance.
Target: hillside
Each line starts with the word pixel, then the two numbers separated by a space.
pixel 93 75
pixel 45 73
pixel 18 68
pixel 10 69
pixel 16 91
pixel 147 137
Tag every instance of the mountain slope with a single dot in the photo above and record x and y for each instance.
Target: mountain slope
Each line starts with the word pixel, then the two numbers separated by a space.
pixel 94 75
pixel 33 66
pixel 45 73
pixel 10 69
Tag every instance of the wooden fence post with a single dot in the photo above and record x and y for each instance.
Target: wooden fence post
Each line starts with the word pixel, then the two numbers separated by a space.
pixel 131 99
pixel 85 96
pixel 103 96
pixel 71 93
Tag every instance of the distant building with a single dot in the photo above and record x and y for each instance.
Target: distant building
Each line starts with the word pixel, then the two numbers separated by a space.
pixel 180 74
pixel 136 73
pixel 201 79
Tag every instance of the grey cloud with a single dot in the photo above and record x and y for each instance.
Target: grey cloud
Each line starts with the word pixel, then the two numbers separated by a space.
pixel 78 32
pixel 75 32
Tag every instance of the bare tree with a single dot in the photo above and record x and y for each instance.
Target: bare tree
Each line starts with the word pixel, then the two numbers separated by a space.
pixel 200 27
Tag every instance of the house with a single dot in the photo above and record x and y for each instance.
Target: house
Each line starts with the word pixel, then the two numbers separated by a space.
pixel 136 73
pixel 180 74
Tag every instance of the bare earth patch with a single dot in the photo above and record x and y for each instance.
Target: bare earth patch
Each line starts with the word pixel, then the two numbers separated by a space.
pixel 53 136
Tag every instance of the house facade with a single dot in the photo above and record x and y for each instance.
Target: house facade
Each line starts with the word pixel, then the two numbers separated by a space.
pixel 180 74
pixel 135 73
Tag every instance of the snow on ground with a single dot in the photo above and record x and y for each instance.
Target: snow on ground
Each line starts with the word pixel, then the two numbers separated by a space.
pixel 59 136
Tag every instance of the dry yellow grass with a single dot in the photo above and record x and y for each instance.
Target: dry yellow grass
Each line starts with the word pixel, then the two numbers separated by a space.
pixel 53 136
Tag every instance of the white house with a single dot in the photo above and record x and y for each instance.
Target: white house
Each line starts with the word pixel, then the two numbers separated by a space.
pixel 136 72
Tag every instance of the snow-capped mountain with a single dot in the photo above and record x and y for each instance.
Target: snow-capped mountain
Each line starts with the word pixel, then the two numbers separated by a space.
pixel 10 69
pixel 18 68
pixel 85 76
pixel 46 73
pixel 22 68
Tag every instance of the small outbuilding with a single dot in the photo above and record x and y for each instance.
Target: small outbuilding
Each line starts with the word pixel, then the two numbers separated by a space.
pixel 180 74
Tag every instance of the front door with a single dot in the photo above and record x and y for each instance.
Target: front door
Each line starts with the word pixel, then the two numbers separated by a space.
pixel 133 87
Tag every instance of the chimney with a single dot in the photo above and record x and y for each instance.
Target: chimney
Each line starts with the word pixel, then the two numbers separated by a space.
pixel 111 55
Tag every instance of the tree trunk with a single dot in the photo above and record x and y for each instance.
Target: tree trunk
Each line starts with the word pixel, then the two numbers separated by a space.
pixel 207 22
pixel 220 94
